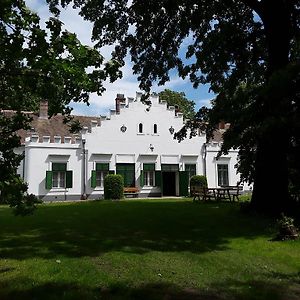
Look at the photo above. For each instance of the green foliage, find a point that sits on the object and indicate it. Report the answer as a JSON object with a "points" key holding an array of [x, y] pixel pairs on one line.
{"points": [[198, 180], [38, 64], [12, 188], [285, 221], [13, 192], [113, 186], [9, 160], [286, 228], [178, 99], [247, 50]]}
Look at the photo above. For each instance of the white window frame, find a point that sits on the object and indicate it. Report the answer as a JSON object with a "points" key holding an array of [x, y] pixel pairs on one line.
{"points": [[222, 164], [148, 179], [61, 179], [100, 180]]}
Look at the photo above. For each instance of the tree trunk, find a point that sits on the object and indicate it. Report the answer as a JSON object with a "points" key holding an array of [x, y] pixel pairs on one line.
{"points": [[270, 192]]}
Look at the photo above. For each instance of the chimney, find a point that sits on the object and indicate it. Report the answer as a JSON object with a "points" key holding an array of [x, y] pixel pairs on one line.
{"points": [[43, 109], [177, 110], [120, 99], [222, 125]]}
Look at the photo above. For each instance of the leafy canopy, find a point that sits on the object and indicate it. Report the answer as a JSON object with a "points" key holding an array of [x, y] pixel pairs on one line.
{"points": [[39, 64], [247, 50], [187, 107]]}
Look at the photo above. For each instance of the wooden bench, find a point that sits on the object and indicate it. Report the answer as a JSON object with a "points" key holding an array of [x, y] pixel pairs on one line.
{"points": [[234, 192], [230, 193], [202, 193], [131, 191]]}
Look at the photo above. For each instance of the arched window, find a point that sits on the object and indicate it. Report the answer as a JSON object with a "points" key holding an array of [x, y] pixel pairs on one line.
{"points": [[140, 128], [155, 128]]}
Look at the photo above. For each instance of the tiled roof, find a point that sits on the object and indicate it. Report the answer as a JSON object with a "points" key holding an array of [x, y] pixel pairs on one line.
{"points": [[218, 135], [52, 127], [56, 127]]}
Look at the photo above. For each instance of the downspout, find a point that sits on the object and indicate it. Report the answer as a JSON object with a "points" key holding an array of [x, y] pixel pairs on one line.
{"points": [[204, 158], [23, 169], [83, 196]]}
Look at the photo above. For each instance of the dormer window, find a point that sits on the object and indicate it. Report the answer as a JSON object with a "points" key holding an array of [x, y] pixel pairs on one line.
{"points": [[140, 128], [155, 128]]}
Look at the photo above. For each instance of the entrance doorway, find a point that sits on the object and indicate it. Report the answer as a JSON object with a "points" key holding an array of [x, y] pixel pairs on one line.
{"points": [[169, 183]]}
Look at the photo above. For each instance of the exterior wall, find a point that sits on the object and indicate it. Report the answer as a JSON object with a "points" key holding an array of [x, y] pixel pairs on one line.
{"points": [[107, 143], [212, 162], [21, 169], [39, 158]]}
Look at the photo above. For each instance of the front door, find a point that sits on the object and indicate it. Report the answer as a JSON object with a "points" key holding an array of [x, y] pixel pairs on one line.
{"points": [[169, 183], [128, 173]]}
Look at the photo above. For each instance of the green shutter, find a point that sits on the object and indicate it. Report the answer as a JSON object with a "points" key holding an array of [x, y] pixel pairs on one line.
{"points": [[93, 179], [111, 172], [149, 167], [59, 167], [69, 179], [48, 181], [183, 183], [102, 166], [158, 178], [142, 178]]}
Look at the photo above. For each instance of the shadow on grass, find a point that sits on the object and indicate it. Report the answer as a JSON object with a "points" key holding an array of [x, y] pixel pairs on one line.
{"points": [[90, 229], [236, 290]]}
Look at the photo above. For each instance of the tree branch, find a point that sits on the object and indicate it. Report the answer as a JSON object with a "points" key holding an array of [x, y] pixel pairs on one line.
{"points": [[255, 5]]}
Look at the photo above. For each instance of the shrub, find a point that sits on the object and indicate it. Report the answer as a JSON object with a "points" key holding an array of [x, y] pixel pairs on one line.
{"points": [[287, 229], [14, 193], [113, 187], [27, 205], [198, 180]]}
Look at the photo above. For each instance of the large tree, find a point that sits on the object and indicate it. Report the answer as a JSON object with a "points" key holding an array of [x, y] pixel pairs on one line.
{"points": [[179, 100], [38, 64], [247, 50]]}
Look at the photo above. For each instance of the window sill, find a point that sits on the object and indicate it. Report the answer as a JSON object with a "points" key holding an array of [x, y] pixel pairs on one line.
{"points": [[59, 190], [98, 188]]}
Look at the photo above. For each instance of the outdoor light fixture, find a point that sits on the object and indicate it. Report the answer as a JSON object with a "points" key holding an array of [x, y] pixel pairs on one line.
{"points": [[171, 129], [123, 128], [151, 147]]}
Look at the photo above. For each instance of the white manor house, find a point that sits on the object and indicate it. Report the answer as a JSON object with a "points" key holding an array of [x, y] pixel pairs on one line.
{"points": [[136, 141]]}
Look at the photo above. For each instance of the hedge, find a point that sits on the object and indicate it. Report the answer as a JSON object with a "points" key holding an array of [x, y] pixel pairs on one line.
{"points": [[198, 180], [113, 186]]}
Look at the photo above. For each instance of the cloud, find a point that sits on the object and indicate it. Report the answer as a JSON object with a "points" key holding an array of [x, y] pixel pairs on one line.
{"points": [[128, 85], [205, 102]]}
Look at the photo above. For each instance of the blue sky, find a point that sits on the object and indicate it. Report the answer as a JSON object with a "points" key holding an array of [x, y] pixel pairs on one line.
{"points": [[128, 85]]}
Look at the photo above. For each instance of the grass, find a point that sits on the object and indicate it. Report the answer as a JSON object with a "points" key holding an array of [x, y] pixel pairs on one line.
{"points": [[144, 249]]}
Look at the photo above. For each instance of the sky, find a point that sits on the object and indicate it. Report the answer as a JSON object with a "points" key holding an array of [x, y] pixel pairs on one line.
{"points": [[128, 85]]}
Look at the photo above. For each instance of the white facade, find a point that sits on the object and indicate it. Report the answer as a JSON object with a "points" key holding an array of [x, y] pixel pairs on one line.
{"points": [[137, 139]]}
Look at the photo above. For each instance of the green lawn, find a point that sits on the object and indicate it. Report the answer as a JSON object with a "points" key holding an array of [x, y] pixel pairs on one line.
{"points": [[144, 249]]}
